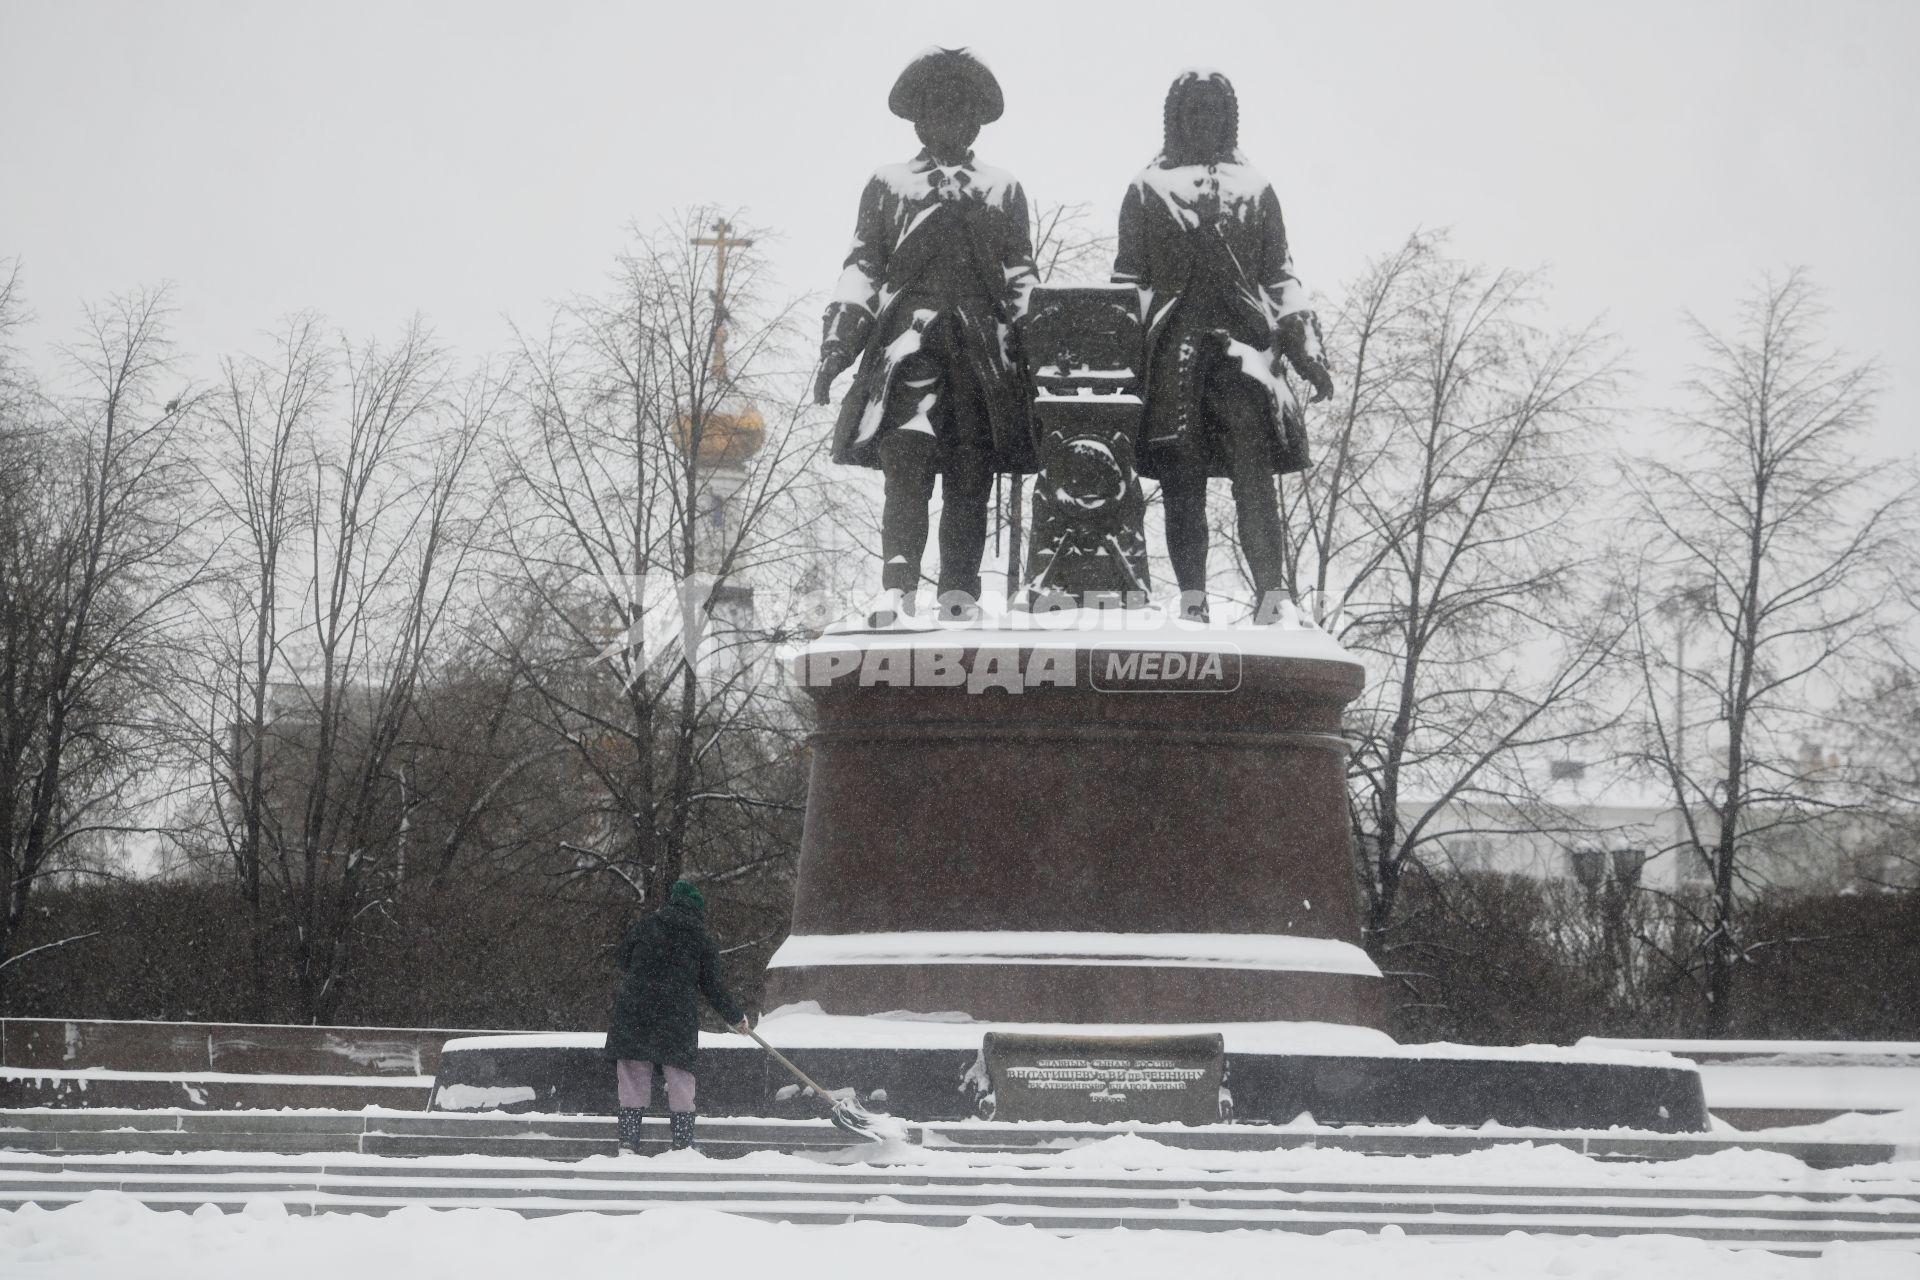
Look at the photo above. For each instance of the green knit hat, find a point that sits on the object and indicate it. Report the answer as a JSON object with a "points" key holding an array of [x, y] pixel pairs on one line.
{"points": [[683, 891]]}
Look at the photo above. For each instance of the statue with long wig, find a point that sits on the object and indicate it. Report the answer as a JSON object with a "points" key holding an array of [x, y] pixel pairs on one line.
{"points": [[1202, 238]]}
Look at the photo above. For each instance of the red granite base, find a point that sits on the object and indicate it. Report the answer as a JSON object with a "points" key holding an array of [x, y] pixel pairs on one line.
{"points": [[1080, 804]]}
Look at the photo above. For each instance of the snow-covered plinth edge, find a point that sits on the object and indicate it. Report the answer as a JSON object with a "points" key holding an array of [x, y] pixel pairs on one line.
{"points": [[1292, 636], [1262, 951], [804, 1026]]}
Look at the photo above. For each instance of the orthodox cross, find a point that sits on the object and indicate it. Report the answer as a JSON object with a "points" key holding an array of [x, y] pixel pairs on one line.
{"points": [[721, 240]]}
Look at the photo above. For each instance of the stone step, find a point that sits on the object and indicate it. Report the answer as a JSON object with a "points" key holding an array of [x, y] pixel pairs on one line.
{"points": [[1759, 1230], [1893, 1201], [1437, 1205], [1815, 1153], [1757, 1214], [576, 1137]]}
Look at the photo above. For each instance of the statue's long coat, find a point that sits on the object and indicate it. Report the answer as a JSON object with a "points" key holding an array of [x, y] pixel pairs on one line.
{"points": [[922, 226], [1211, 231]]}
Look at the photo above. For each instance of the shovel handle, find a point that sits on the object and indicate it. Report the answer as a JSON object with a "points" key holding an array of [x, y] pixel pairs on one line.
{"points": [[811, 1083]]}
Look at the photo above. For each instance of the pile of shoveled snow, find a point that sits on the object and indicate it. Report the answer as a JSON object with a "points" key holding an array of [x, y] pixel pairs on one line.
{"points": [[109, 1235], [1509, 1164]]}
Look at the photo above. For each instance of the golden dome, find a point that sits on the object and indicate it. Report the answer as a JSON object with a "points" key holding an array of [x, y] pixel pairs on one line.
{"points": [[726, 439]]}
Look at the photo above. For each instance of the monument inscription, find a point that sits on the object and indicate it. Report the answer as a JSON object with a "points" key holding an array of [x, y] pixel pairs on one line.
{"points": [[1173, 1078]]}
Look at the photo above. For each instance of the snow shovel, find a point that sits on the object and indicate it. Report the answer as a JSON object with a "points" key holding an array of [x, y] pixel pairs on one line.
{"points": [[847, 1114]]}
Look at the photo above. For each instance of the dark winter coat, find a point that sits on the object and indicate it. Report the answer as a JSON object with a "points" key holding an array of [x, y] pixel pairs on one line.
{"points": [[932, 239], [1207, 247], [669, 964]]}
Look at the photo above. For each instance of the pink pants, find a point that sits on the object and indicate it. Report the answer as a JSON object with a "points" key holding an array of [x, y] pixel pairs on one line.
{"points": [[636, 1085]]}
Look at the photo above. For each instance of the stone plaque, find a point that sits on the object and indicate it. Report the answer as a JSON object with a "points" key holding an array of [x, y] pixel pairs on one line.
{"points": [[1104, 1078]]}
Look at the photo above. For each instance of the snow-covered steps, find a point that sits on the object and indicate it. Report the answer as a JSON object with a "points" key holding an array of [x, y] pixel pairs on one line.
{"points": [[1423, 1140], [1747, 1201], [376, 1131]]}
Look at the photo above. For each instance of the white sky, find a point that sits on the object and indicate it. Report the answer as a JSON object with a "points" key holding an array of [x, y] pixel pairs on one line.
{"points": [[473, 161]]}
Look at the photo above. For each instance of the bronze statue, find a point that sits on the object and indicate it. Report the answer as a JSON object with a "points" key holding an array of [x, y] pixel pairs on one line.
{"points": [[1202, 238], [941, 265]]}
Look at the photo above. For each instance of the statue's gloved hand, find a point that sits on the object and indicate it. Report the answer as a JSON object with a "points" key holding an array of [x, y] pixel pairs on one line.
{"points": [[1297, 336], [1013, 340], [834, 359], [1315, 372], [844, 330]]}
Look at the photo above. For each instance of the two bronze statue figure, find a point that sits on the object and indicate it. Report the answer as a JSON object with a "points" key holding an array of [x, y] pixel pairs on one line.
{"points": [[934, 309]]}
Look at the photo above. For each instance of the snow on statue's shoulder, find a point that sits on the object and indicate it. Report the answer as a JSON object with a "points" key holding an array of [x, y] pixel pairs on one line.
{"points": [[902, 178], [992, 182], [910, 180], [1237, 183]]}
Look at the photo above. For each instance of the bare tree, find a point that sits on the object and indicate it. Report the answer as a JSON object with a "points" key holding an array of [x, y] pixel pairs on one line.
{"points": [[658, 512], [262, 429], [1881, 744], [16, 385], [340, 483], [1437, 537], [1770, 593], [94, 551]]}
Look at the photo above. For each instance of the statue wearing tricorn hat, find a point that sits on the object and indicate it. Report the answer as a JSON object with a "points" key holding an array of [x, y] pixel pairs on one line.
{"points": [[939, 272]]}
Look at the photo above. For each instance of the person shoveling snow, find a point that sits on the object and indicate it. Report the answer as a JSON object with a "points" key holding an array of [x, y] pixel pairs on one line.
{"points": [[668, 964]]}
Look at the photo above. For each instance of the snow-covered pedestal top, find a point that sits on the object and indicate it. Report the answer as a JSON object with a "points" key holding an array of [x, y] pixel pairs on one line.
{"points": [[1261, 951], [1292, 635]]}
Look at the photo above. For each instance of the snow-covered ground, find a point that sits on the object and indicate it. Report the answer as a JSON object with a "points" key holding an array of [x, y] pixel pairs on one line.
{"points": [[110, 1234], [111, 1237]]}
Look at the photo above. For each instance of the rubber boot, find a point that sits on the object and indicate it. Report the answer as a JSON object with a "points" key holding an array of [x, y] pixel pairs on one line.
{"points": [[682, 1122], [630, 1118]]}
